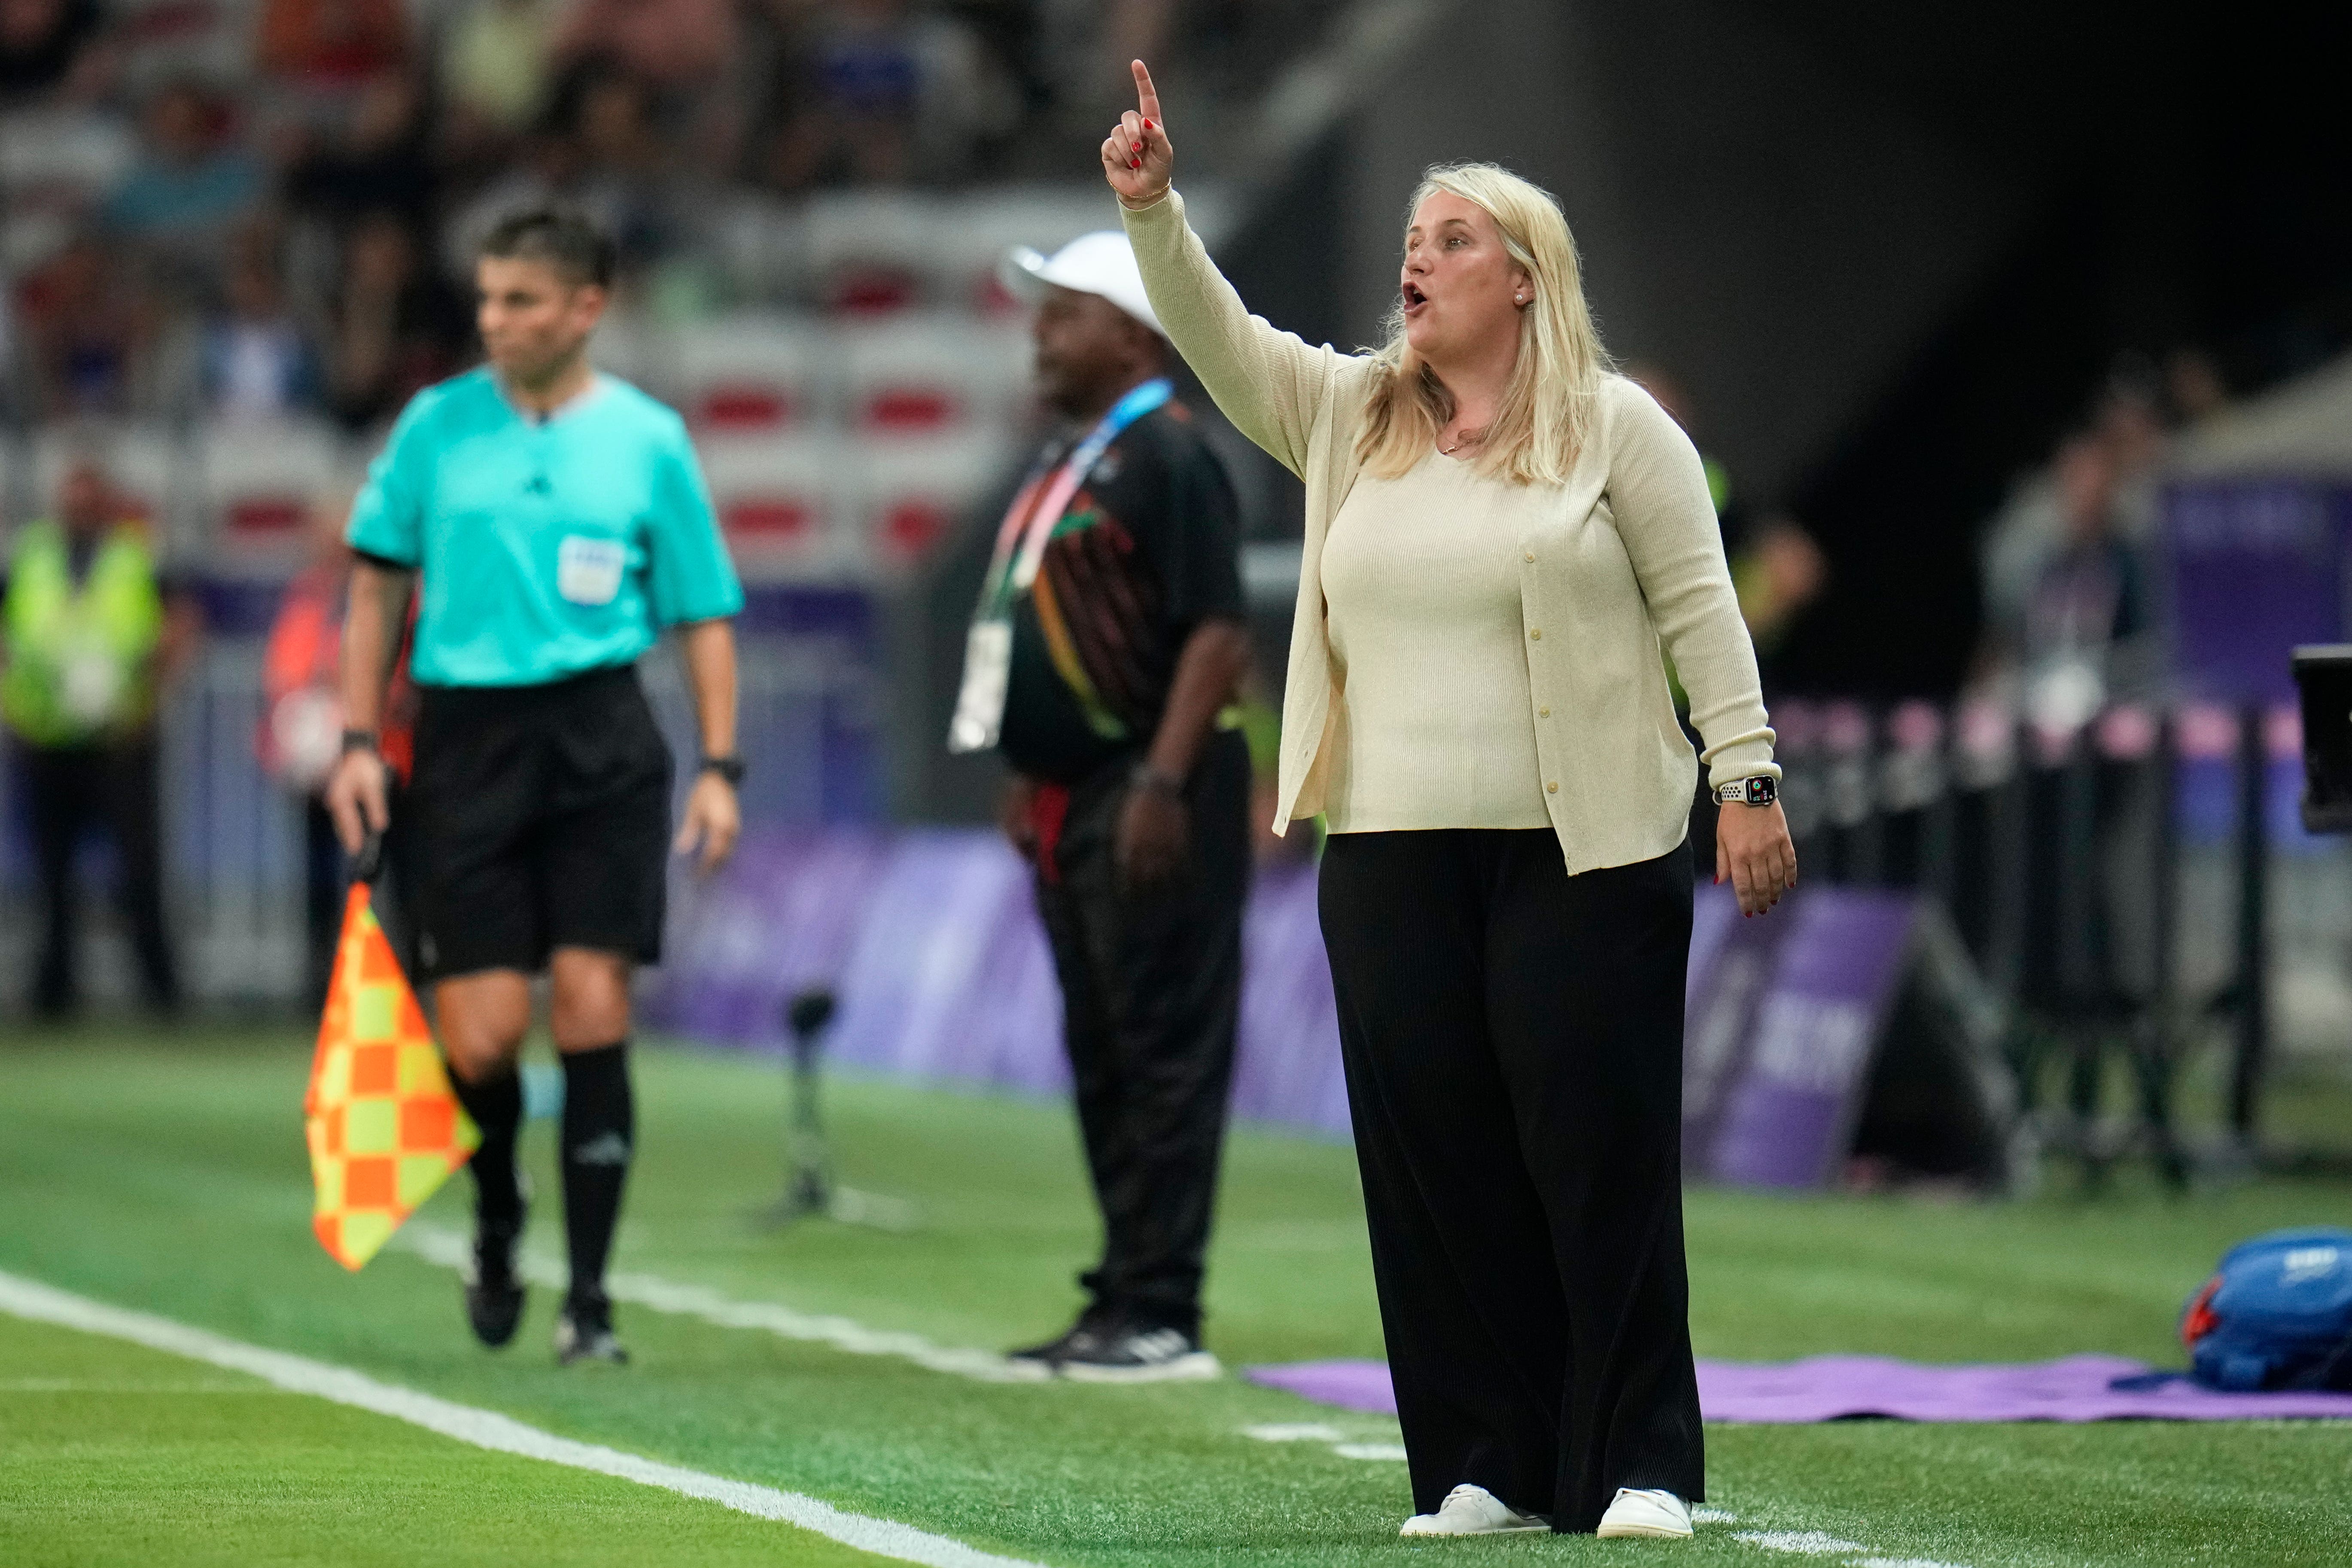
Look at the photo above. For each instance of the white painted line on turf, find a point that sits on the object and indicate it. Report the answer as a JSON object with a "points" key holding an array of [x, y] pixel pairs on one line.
{"points": [[31, 1299], [1805, 1542], [1294, 1432], [1713, 1516], [452, 1249], [1388, 1452], [1815, 1543], [1318, 1432]]}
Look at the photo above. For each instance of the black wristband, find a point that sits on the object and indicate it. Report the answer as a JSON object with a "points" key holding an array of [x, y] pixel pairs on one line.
{"points": [[728, 768], [358, 741]]}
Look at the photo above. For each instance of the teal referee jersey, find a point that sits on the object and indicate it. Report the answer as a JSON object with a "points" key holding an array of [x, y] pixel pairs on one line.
{"points": [[544, 547]]}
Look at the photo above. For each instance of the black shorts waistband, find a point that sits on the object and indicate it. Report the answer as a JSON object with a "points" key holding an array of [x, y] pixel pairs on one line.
{"points": [[508, 698]]}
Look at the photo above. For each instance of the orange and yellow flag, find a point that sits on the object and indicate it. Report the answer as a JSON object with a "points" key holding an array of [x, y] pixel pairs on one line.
{"points": [[383, 1127]]}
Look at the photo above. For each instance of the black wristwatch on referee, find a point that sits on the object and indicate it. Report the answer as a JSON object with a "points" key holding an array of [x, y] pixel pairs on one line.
{"points": [[730, 768], [1761, 790]]}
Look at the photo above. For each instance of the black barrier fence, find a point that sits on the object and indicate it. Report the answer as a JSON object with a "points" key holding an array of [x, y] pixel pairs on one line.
{"points": [[2064, 852]]}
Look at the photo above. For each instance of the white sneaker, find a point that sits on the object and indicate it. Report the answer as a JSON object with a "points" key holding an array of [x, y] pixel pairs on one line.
{"points": [[1660, 1516], [1471, 1510]]}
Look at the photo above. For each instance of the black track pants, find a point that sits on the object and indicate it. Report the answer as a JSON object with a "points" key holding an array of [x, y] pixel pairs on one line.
{"points": [[1150, 997], [1513, 1039]]}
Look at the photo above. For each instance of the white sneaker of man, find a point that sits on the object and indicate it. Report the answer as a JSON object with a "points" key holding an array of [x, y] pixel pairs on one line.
{"points": [[1472, 1510], [1659, 1516]]}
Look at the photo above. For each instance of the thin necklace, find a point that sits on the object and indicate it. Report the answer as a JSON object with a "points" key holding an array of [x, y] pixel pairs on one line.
{"points": [[1467, 438]]}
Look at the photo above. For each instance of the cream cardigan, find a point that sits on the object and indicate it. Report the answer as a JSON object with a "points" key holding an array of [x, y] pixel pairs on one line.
{"points": [[1631, 558]]}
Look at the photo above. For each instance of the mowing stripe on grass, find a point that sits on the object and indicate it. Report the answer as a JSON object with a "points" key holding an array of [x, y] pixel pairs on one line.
{"points": [[31, 1299], [451, 1249]]}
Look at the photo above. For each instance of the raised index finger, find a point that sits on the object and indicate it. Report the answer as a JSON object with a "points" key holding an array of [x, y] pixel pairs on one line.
{"points": [[1147, 97]]}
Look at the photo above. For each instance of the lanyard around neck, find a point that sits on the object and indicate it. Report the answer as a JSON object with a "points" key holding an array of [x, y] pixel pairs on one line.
{"points": [[1029, 525]]}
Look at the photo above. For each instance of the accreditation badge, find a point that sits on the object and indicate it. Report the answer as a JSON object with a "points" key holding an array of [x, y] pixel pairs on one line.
{"points": [[987, 674], [90, 687]]}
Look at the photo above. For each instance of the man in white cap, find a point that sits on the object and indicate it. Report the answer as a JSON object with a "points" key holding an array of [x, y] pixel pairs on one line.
{"points": [[1106, 648]]}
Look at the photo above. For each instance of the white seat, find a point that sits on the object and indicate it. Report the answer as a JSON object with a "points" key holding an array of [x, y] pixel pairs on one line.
{"points": [[911, 493], [753, 371], [931, 373], [987, 224], [760, 244], [874, 250], [263, 479], [779, 501]]}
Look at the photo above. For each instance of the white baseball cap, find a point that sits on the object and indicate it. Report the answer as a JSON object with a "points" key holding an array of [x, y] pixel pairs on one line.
{"points": [[1100, 263]]}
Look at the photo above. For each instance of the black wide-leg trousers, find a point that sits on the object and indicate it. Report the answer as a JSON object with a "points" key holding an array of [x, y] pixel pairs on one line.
{"points": [[1513, 1041], [1151, 986]]}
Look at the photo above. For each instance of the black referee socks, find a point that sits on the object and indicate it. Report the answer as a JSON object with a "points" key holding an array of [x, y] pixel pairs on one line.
{"points": [[598, 1131], [496, 1105]]}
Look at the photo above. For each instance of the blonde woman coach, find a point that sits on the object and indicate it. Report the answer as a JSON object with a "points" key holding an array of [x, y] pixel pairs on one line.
{"points": [[1501, 535]]}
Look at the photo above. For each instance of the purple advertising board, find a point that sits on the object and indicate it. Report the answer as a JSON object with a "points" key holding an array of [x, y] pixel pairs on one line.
{"points": [[2254, 567], [1789, 1100], [931, 943]]}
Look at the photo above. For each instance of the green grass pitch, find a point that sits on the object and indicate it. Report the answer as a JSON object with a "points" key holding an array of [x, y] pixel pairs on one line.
{"points": [[171, 1179]]}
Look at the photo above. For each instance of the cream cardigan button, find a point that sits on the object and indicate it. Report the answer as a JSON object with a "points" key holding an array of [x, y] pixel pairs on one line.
{"points": [[1531, 555], [1536, 636], [1543, 713], [1552, 788]]}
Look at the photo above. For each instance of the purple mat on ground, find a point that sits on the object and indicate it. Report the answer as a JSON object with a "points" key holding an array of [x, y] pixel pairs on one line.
{"points": [[1832, 1387]]}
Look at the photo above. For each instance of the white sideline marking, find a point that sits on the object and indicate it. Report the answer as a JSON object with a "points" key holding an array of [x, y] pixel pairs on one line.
{"points": [[1814, 1544], [1294, 1432], [1713, 1516], [486, 1428], [1808, 1542], [1393, 1453], [451, 1249]]}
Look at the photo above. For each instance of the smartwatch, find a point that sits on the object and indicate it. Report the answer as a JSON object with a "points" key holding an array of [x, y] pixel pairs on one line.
{"points": [[730, 768], [1761, 790]]}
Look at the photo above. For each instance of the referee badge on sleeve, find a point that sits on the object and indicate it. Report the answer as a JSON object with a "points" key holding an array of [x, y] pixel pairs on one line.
{"points": [[588, 571]]}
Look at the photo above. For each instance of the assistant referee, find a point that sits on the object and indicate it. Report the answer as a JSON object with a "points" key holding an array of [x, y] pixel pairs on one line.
{"points": [[554, 520]]}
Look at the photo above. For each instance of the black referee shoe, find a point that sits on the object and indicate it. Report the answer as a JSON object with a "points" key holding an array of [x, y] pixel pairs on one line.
{"points": [[1050, 1353], [1137, 1352], [494, 1294], [583, 1332]]}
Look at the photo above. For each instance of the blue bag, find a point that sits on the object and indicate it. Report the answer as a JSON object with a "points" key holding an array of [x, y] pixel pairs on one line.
{"points": [[2277, 1314]]}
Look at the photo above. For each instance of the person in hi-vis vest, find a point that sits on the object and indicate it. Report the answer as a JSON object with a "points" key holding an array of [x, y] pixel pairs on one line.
{"points": [[91, 638]]}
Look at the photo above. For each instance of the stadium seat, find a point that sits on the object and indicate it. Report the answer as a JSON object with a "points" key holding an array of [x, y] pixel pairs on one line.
{"points": [[777, 502], [748, 373], [913, 494], [932, 374], [638, 352], [873, 252], [760, 246], [261, 481], [984, 226]]}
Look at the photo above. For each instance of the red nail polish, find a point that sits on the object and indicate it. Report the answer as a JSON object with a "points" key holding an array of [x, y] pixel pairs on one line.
{"points": [[1148, 126], [1135, 162]]}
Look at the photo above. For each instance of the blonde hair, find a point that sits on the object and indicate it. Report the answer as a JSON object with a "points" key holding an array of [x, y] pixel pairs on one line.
{"points": [[1546, 408]]}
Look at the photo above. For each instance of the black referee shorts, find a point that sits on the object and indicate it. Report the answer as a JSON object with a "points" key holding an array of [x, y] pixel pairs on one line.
{"points": [[541, 820]]}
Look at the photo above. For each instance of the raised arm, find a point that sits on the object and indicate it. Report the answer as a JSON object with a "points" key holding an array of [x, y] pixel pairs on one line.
{"points": [[1269, 382]]}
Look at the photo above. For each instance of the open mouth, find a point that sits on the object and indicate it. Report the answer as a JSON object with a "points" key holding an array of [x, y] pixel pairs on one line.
{"points": [[1413, 298]]}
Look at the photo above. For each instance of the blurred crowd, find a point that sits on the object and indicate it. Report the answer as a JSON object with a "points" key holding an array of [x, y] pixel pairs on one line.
{"points": [[2066, 569], [252, 207]]}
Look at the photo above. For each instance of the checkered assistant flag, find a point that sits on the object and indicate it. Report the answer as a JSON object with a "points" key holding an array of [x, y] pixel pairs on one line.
{"points": [[385, 1128]]}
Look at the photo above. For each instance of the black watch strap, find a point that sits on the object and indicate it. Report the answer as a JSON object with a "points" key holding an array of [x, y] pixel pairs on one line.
{"points": [[359, 741], [730, 768]]}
